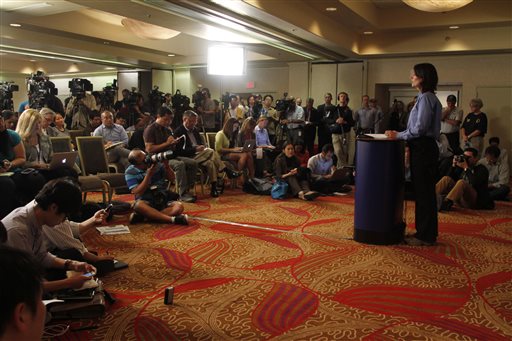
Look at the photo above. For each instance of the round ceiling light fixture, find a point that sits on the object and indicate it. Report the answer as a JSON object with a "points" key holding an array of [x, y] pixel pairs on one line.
{"points": [[437, 5]]}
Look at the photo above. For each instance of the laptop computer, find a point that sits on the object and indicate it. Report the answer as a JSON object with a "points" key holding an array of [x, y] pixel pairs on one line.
{"points": [[249, 146], [66, 159], [342, 173]]}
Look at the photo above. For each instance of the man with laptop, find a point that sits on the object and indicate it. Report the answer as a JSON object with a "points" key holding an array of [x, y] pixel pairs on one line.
{"points": [[191, 144], [325, 177]]}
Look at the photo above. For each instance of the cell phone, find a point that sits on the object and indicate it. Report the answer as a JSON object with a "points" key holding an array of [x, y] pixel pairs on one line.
{"points": [[88, 274], [169, 295], [108, 208]]}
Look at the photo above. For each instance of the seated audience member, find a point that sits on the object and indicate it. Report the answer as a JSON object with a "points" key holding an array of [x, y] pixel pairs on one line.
{"points": [[322, 167], [287, 168], [58, 199], [137, 138], [495, 141], [10, 119], [23, 313], [94, 122], [301, 153], [38, 148], [121, 120], [466, 184], [228, 152], [60, 126], [264, 166], [474, 127], [48, 122], [152, 198], [158, 137], [499, 175], [246, 132], [63, 241], [114, 133], [191, 144]]}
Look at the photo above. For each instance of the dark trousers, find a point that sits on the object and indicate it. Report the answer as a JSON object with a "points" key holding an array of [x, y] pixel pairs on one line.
{"points": [[309, 138], [453, 140], [8, 199], [57, 274], [424, 155], [324, 136], [326, 186]]}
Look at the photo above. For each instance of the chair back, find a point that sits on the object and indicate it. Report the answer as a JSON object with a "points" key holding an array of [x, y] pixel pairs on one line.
{"points": [[61, 144], [210, 139], [74, 133], [93, 157]]}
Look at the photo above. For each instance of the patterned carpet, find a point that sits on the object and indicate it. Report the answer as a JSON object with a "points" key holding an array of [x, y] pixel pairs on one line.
{"points": [[290, 271]]}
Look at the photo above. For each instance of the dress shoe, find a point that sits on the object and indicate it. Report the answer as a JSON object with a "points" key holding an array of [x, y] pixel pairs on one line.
{"points": [[311, 195], [231, 174], [181, 219], [413, 241]]}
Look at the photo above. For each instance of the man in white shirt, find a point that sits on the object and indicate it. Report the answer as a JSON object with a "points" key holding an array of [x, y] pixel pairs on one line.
{"points": [[499, 175], [322, 168], [451, 118]]}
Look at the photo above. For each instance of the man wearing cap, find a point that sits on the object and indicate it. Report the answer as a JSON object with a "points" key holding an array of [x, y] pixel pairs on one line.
{"points": [[451, 118]]}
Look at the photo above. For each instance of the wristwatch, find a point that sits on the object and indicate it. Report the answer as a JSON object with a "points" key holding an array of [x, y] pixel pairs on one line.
{"points": [[67, 264]]}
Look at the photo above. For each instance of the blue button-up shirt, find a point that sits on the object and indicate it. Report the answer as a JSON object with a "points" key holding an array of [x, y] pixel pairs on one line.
{"points": [[115, 134], [262, 138], [424, 119]]}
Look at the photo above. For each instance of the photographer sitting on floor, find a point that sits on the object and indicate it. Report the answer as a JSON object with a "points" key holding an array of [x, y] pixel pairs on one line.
{"points": [[466, 183], [145, 178]]}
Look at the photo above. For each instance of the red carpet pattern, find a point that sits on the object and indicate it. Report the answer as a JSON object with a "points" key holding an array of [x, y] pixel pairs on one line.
{"points": [[290, 271]]}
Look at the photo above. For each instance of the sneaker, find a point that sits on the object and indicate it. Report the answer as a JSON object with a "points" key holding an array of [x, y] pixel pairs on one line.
{"points": [[413, 241], [136, 218], [181, 219], [188, 198]]}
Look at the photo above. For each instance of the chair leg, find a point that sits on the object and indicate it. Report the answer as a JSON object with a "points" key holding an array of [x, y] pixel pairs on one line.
{"points": [[107, 189]]}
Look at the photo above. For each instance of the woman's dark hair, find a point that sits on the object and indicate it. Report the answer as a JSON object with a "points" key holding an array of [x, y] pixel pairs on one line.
{"points": [[63, 192], [7, 114], [428, 73]]}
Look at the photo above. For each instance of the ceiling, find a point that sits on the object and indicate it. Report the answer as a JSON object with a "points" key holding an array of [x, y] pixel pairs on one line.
{"points": [[89, 33]]}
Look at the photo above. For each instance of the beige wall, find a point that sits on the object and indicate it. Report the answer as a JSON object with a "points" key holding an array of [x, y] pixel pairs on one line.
{"points": [[162, 79]]}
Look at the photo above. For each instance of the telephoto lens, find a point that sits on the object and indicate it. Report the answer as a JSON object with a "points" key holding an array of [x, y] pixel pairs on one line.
{"points": [[158, 157]]}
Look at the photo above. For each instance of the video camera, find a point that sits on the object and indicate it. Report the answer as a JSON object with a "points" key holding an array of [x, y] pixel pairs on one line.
{"points": [[283, 104], [108, 95], [180, 102], [197, 98], [6, 90], [156, 98], [158, 157], [40, 89], [78, 87]]}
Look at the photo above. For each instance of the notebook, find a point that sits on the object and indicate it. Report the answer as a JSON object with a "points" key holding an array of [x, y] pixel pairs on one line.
{"points": [[66, 159], [342, 173]]}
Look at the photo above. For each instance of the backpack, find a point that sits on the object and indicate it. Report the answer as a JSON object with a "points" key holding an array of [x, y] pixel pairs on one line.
{"points": [[257, 186]]}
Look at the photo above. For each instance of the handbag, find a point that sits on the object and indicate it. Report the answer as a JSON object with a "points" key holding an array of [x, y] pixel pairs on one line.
{"points": [[279, 190]]}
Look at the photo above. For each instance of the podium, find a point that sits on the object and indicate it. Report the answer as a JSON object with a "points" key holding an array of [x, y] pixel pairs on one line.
{"points": [[379, 191]]}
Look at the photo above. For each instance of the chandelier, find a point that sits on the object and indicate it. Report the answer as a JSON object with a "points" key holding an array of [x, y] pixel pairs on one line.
{"points": [[437, 5]]}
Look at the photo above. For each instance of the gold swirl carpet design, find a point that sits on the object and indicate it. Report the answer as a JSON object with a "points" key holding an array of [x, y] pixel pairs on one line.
{"points": [[290, 271]]}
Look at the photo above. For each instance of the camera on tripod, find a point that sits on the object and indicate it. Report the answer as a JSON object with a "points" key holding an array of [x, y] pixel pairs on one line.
{"points": [[40, 89], [78, 87], [158, 157], [6, 90], [108, 95], [283, 104]]}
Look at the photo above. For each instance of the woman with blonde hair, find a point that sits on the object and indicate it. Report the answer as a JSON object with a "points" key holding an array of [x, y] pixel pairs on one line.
{"points": [[38, 148], [228, 152], [246, 131]]}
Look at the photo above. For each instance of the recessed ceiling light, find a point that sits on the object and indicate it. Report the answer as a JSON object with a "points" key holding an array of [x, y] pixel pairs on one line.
{"points": [[106, 43], [368, 33], [32, 60], [331, 9], [171, 55], [109, 68], [15, 25], [454, 27]]}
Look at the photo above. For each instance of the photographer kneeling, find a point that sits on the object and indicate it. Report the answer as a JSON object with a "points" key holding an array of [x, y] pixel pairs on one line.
{"points": [[145, 178], [466, 183]]}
